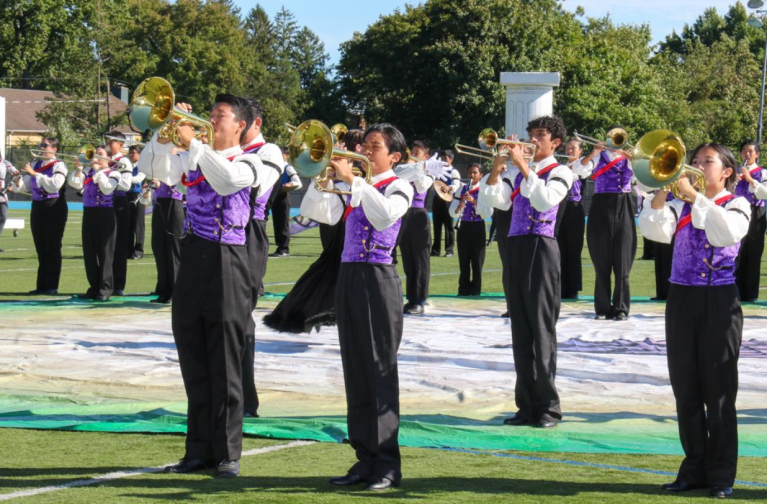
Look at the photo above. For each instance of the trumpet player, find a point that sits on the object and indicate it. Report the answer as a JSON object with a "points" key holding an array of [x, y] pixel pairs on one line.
{"points": [[441, 209], [212, 300], [6, 168], [471, 233], [137, 208], [44, 180], [97, 185], [571, 223], [611, 231], [114, 141], [752, 186], [536, 188]]}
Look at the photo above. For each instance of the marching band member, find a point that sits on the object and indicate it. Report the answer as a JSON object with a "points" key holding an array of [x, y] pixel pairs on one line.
{"points": [[253, 142], [137, 209], [114, 141], [212, 301], [471, 233], [99, 226], [6, 168], [571, 223], [751, 175], [440, 209], [611, 231], [415, 235], [704, 321], [533, 266], [45, 182], [352, 143], [167, 231], [368, 302], [290, 181]]}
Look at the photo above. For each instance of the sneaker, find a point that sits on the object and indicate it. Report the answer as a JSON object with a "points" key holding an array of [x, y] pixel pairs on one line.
{"points": [[280, 253]]}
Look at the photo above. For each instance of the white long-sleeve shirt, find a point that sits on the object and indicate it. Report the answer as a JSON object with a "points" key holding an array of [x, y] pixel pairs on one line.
{"points": [[50, 184], [382, 210], [293, 177], [125, 168], [758, 189], [107, 182], [224, 176], [542, 195], [724, 225], [6, 168], [415, 173], [480, 209]]}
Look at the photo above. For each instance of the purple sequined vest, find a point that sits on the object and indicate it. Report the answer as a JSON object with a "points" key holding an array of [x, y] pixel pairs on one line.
{"points": [[527, 220], [38, 193], [363, 242], [698, 263], [259, 204], [470, 209], [214, 217], [166, 191], [419, 199], [92, 195], [575, 190], [741, 189], [615, 180]]}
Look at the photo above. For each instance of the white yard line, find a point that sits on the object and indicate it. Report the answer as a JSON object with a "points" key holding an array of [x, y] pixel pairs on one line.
{"points": [[133, 472]]}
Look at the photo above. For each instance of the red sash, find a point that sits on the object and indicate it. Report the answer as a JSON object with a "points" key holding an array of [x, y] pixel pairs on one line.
{"points": [[684, 221], [376, 185], [90, 179], [116, 161], [607, 167], [542, 172], [47, 166], [201, 177], [254, 147], [755, 170]]}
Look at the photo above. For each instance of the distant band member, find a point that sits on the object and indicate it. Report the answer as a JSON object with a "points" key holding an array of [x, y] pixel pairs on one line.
{"points": [[289, 182], [167, 231], [571, 228], [471, 233], [611, 231], [6, 168], [97, 185], [137, 209], [44, 180], [750, 259], [440, 209], [121, 164]]}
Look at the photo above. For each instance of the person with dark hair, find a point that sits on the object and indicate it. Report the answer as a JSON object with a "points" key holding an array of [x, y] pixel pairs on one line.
{"points": [[536, 188], [97, 185], [571, 226], [440, 209], [6, 168], [114, 141], [751, 176], [471, 233], [414, 238], [704, 320], [45, 182], [368, 302], [137, 209], [611, 230], [253, 142], [289, 182], [213, 300]]}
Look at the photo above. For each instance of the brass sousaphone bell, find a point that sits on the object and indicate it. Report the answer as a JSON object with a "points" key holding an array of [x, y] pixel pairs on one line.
{"points": [[658, 161]]}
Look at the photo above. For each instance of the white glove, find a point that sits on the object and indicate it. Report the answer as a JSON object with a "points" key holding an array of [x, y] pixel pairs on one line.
{"points": [[435, 167]]}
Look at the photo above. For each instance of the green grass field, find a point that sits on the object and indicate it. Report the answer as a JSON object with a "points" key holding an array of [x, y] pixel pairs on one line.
{"points": [[34, 459]]}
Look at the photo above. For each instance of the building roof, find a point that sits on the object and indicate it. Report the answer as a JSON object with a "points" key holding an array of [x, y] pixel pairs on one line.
{"points": [[22, 106]]}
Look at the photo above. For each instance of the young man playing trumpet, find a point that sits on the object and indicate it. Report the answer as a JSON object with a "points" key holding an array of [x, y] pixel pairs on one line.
{"points": [[536, 187], [212, 301], [114, 141]]}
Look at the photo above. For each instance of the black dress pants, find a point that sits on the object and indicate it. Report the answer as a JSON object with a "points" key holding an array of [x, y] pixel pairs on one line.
{"points": [[48, 220], [122, 219], [167, 230], [440, 211], [750, 256], [281, 222], [704, 328], [663, 254], [572, 227], [534, 300], [98, 233], [471, 257], [137, 225], [415, 247], [612, 240], [211, 309], [370, 322]]}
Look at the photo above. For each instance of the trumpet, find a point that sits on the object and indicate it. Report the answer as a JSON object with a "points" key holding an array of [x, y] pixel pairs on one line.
{"points": [[86, 155], [311, 149], [658, 161], [40, 154], [409, 157], [488, 146], [152, 108], [339, 132], [617, 139]]}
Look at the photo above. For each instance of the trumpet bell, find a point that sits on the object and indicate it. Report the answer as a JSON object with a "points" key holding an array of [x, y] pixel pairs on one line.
{"points": [[310, 148], [152, 104], [339, 132], [617, 138], [488, 139], [659, 161]]}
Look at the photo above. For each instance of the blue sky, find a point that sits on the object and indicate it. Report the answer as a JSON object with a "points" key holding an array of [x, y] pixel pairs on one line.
{"points": [[335, 22]]}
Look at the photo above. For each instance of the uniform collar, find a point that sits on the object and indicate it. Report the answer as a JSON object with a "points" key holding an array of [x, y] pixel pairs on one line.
{"points": [[752, 166], [258, 140], [382, 176], [721, 194], [231, 151], [536, 166]]}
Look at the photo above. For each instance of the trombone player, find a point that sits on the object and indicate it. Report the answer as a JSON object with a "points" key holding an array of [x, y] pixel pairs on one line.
{"points": [[114, 141], [212, 300]]}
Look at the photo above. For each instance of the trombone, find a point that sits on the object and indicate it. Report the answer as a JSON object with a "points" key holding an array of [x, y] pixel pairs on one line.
{"points": [[339, 132], [152, 108], [489, 141], [311, 149], [617, 139], [658, 161], [409, 157]]}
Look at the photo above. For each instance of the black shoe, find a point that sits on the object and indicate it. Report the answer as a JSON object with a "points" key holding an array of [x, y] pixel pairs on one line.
{"points": [[570, 296], [161, 300], [35, 292], [602, 316], [228, 469], [620, 316], [449, 254], [185, 466], [349, 479], [280, 253], [720, 492], [407, 307], [657, 298], [415, 309], [250, 414], [379, 484], [679, 486], [49, 292], [137, 255], [434, 253], [118, 292], [505, 314], [101, 298], [516, 420], [85, 296], [546, 422]]}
